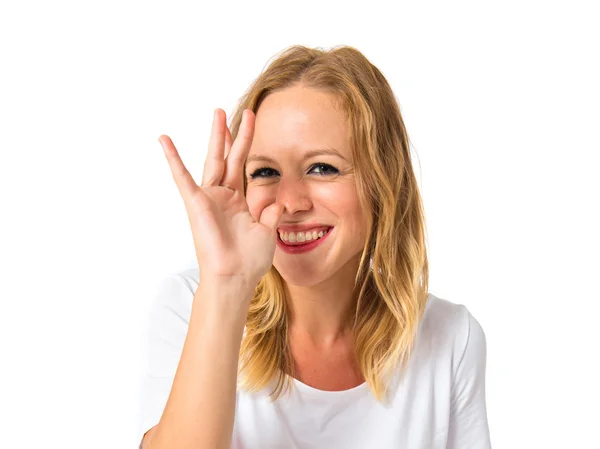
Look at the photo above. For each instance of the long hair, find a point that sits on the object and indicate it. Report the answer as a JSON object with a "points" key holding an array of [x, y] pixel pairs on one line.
{"points": [[391, 284]]}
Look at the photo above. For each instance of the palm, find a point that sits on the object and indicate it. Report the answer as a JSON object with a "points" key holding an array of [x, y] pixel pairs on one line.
{"points": [[235, 234]]}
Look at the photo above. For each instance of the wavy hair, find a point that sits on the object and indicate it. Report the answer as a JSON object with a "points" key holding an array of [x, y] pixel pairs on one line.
{"points": [[391, 284]]}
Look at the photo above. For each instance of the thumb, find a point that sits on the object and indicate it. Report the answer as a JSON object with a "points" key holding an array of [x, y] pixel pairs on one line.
{"points": [[271, 215]]}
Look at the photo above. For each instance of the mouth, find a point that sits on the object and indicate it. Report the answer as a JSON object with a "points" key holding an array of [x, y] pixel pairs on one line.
{"points": [[301, 247]]}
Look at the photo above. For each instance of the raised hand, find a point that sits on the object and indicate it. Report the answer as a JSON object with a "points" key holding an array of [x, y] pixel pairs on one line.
{"points": [[229, 242]]}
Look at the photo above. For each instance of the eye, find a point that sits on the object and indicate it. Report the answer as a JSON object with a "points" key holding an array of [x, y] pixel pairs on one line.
{"points": [[324, 168], [259, 172]]}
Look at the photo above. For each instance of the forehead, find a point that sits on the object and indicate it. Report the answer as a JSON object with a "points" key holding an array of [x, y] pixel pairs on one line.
{"points": [[299, 119]]}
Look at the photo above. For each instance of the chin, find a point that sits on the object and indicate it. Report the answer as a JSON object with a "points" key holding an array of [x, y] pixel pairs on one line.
{"points": [[301, 277]]}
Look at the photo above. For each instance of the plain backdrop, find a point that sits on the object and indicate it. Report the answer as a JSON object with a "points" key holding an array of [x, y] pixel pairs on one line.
{"points": [[501, 103]]}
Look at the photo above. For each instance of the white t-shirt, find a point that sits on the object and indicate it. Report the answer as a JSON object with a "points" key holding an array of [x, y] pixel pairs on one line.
{"points": [[439, 404]]}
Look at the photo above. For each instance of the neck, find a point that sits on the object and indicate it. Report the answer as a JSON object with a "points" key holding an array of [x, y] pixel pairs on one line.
{"points": [[321, 315]]}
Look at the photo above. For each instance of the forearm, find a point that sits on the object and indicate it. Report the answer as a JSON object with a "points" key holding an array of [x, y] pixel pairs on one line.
{"points": [[199, 413]]}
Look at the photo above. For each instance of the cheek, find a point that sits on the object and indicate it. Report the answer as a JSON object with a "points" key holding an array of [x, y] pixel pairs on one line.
{"points": [[350, 209], [346, 199]]}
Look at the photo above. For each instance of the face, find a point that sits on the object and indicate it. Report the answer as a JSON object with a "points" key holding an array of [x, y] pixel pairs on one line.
{"points": [[318, 191]]}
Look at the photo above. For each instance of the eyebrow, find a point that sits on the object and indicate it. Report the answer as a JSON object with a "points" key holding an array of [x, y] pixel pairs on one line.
{"points": [[308, 154]]}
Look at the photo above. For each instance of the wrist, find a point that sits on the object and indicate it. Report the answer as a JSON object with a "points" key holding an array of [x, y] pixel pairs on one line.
{"points": [[225, 298]]}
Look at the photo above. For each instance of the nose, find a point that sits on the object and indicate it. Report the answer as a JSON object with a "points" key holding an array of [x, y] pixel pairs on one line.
{"points": [[293, 194]]}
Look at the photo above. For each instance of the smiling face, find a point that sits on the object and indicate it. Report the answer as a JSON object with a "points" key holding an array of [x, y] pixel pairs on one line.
{"points": [[318, 191]]}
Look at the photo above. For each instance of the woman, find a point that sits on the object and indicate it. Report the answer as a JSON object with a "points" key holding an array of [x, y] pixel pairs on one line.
{"points": [[310, 238]]}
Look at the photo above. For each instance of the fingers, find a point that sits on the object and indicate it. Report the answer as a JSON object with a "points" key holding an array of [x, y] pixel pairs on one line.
{"points": [[271, 215], [215, 158], [228, 141], [234, 166], [185, 183]]}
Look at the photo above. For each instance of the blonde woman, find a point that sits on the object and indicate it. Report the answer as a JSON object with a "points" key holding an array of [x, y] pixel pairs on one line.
{"points": [[308, 323]]}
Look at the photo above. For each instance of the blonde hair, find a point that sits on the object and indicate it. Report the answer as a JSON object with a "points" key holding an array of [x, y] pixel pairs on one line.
{"points": [[391, 283]]}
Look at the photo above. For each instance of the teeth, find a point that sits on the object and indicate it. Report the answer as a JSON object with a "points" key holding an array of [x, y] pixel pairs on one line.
{"points": [[293, 237]]}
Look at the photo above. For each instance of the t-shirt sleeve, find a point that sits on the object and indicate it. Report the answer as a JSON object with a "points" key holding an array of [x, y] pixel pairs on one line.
{"points": [[468, 415], [163, 338]]}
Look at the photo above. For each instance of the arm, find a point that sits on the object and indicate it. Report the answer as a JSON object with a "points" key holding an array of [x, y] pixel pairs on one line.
{"points": [[233, 249], [199, 412], [468, 416]]}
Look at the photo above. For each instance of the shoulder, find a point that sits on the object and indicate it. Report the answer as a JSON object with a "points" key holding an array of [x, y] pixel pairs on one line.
{"points": [[174, 294], [187, 279], [450, 330], [181, 282]]}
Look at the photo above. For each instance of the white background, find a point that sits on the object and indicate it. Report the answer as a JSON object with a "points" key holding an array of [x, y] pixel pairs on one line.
{"points": [[501, 102]]}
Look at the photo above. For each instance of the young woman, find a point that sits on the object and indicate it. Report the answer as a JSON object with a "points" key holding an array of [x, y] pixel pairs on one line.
{"points": [[309, 323]]}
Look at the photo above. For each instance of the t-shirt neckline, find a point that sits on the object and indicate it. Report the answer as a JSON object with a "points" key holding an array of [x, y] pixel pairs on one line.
{"points": [[307, 389]]}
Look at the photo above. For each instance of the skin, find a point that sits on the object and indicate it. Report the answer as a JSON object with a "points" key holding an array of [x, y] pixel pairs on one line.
{"points": [[318, 283]]}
